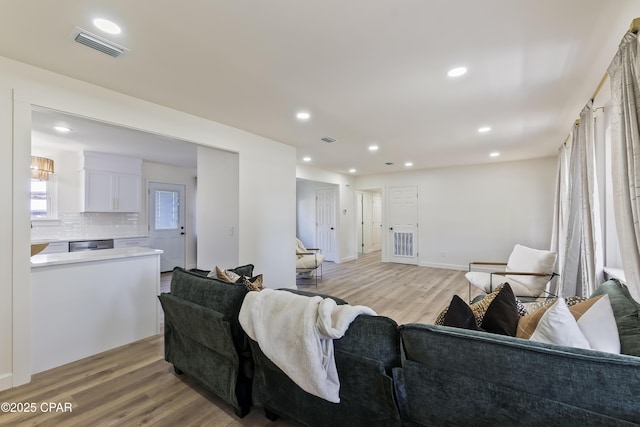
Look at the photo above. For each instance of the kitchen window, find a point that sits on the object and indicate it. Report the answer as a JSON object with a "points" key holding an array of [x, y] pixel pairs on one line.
{"points": [[42, 199]]}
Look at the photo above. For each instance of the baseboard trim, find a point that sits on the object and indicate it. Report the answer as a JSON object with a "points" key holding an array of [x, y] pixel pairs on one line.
{"points": [[347, 259], [6, 381], [444, 266]]}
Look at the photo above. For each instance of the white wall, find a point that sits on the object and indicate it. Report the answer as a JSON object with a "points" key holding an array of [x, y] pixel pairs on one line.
{"points": [[218, 208], [345, 208], [266, 186], [67, 178], [474, 213], [166, 174], [6, 230], [306, 211]]}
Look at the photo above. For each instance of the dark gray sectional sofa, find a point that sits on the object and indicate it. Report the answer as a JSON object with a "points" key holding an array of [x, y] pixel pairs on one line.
{"points": [[394, 375], [365, 358], [203, 338]]}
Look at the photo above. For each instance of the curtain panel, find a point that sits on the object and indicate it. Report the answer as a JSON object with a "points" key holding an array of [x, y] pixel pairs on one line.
{"points": [[624, 76], [577, 232], [561, 214]]}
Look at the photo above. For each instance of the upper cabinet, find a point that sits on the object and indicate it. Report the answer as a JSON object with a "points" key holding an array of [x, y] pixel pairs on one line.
{"points": [[110, 183]]}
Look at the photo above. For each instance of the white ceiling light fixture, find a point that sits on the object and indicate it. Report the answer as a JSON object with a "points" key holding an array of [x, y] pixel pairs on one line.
{"points": [[408, 164], [303, 115], [62, 129], [352, 170], [457, 72], [306, 159], [494, 154], [107, 26], [484, 129], [373, 148]]}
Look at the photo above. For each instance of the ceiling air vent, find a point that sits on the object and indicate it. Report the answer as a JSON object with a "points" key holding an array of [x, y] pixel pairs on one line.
{"points": [[98, 43], [328, 139]]}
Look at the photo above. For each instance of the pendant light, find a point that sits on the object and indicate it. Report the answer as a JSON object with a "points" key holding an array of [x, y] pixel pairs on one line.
{"points": [[41, 168]]}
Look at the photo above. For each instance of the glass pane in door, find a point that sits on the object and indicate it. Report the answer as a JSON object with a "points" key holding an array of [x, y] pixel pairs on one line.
{"points": [[167, 210]]}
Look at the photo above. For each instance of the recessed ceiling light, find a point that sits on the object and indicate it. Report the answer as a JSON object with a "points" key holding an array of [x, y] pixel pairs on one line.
{"points": [[306, 159], [408, 164], [457, 72], [303, 115], [494, 154], [484, 129], [352, 170], [107, 26], [373, 148], [61, 128]]}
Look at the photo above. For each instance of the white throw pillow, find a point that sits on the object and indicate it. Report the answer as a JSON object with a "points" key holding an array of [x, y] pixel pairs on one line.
{"points": [[599, 327], [558, 326], [528, 260]]}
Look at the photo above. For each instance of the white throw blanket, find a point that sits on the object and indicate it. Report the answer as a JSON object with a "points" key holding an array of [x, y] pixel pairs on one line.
{"points": [[296, 333]]}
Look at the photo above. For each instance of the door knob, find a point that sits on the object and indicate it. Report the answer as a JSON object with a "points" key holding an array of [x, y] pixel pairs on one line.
{"points": [[391, 228]]}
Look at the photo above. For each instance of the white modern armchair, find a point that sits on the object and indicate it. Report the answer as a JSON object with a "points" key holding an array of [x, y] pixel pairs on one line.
{"points": [[527, 271], [308, 260]]}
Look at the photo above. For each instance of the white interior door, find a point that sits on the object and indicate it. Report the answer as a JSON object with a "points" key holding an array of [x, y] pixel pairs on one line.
{"points": [[403, 225], [360, 227], [325, 222], [166, 223], [376, 221]]}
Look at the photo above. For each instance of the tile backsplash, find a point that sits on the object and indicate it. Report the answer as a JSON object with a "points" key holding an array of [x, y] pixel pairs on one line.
{"points": [[83, 225]]}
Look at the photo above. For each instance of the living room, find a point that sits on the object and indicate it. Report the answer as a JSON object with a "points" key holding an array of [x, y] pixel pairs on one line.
{"points": [[467, 209]]}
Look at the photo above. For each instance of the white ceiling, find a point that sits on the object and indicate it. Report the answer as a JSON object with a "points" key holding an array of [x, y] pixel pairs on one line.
{"points": [[368, 71], [103, 137]]}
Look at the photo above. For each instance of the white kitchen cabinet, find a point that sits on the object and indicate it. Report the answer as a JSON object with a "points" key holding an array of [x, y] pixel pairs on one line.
{"points": [[110, 183], [131, 242], [56, 248]]}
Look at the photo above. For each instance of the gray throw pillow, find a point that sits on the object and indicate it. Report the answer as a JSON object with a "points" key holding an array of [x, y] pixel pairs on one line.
{"points": [[627, 313]]}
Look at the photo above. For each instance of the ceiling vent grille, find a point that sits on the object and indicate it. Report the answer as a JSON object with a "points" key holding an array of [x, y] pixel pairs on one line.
{"points": [[98, 43], [328, 139]]}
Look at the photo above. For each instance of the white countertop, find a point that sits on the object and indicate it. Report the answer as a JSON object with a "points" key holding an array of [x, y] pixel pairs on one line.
{"points": [[88, 256], [79, 239]]}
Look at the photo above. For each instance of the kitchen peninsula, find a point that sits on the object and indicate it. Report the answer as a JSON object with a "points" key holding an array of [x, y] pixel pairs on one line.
{"points": [[84, 303]]}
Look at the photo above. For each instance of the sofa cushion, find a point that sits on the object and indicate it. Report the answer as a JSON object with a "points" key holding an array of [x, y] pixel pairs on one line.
{"points": [[502, 312], [459, 315], [627, 314], [594, 318], [225, 298], [243, 270], [558, 326], [497, 313], [598, 324], [527, 324], [228, 276], [252, 283]]}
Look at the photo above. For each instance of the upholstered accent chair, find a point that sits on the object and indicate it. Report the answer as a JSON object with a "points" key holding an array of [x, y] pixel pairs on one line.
{"points": [[308, 260], [527, 270]]}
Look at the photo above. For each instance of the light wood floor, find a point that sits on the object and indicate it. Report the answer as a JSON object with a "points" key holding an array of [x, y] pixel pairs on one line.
{"points": [[133, 385]]}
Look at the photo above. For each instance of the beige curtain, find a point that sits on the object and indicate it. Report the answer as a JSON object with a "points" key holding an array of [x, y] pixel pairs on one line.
{"points": [[624, 74], [561, 212], [578, 238]]}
